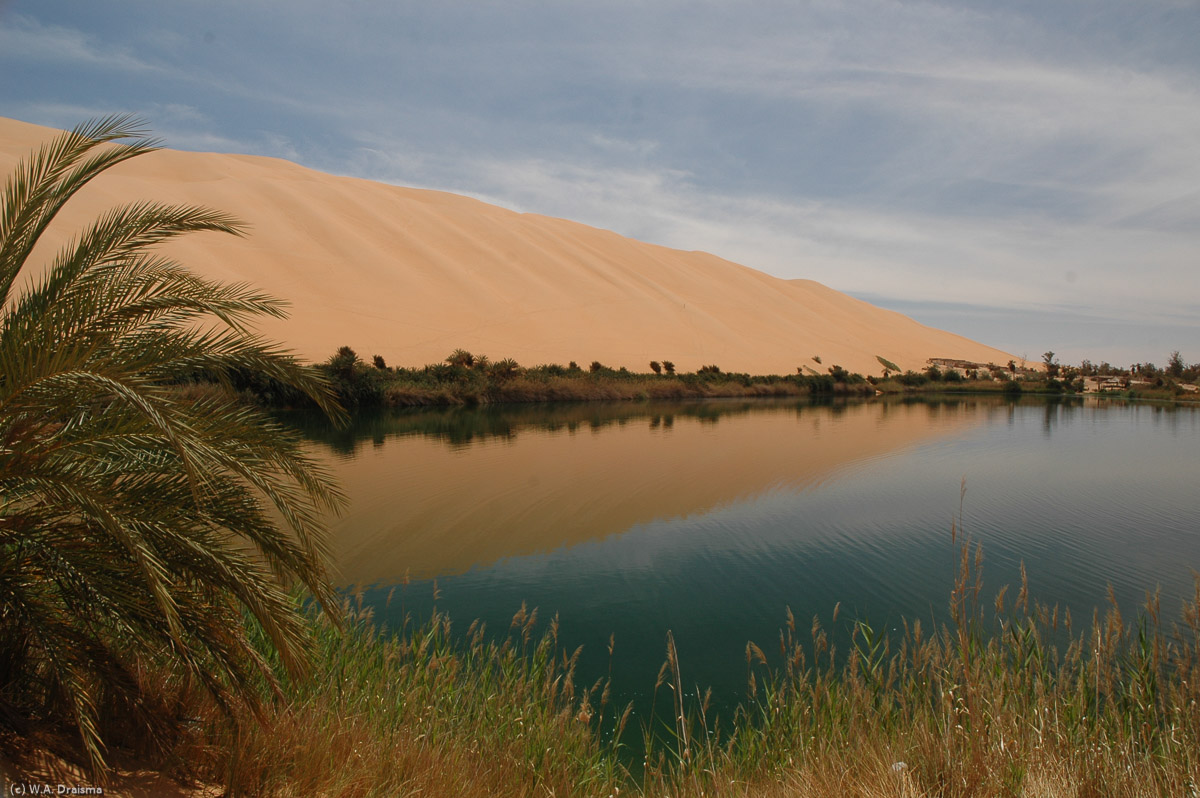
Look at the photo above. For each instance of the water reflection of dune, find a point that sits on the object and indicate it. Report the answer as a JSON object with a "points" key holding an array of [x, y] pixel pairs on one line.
{"points": [[425, 505]]}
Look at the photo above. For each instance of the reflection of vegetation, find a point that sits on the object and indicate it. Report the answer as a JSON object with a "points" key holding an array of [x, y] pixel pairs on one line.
{"points": [[460, 426]]}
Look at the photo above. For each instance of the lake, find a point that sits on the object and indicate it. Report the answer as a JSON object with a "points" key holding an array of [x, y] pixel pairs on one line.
{"points": [[711, 518]]}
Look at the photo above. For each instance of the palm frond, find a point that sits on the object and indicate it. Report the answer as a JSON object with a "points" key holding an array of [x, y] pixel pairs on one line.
{"points": [[137, 527]]}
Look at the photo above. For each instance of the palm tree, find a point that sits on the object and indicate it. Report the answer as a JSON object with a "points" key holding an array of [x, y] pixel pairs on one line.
{"points": [[461, 357], [136, 528]]}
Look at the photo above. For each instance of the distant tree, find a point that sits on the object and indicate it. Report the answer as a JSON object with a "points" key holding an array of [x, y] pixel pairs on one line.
{"points": [[1012, 367], [839, 374], [505, 369], [596, 366], [1051, 365], [656, 367], [343, 362], [933, 373], [713, 369], [573, 366], [1175, 365], [550, 369], [668, 367], [817, 358], [461, 357], [379, 362]]}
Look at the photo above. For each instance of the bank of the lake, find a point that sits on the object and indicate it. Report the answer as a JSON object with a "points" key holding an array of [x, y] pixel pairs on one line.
{"points": [[465, 379], [1009, 698]]}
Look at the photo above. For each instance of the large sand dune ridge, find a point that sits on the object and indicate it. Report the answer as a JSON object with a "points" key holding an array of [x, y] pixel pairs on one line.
{"points": [[413, 274]]}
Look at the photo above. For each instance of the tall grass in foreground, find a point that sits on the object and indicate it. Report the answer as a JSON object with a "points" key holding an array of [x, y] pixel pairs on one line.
{"points": [[1010, 698], [421, 712], [1003, 701]]}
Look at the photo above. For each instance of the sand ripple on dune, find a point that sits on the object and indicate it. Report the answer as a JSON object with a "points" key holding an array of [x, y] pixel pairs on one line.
{"points": [[413, 274]]}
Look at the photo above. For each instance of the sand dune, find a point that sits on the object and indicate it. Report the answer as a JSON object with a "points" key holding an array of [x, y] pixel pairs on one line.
{"points": [[413, 274]]}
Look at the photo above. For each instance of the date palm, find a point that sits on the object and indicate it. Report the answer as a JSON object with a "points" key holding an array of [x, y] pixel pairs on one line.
{"points": [[137, 527]]}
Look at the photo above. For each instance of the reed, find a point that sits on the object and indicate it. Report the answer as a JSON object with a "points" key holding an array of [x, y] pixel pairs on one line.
{"points": [[419, 711], [1004, 700], [1010, 697]]}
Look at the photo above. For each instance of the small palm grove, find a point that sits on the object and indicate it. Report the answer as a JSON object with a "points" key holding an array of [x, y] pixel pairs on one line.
{"points": [[140, 557]]}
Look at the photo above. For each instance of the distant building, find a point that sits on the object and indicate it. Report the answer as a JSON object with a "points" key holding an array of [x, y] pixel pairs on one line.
{"points": [[963, 367], [1095, 384]]}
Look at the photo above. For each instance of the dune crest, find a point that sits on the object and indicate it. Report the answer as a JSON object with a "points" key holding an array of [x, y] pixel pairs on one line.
{"points": [[412, 274]]}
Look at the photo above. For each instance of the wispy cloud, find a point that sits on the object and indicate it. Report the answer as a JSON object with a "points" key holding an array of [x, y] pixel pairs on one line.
{"points": [[1012, 155], [25, 38], [1022, 262]]}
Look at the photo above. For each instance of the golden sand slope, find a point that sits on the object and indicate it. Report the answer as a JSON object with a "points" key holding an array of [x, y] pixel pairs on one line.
{"points": [[412, 274]]}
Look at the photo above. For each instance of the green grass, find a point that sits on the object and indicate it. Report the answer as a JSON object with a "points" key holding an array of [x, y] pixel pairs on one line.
{"points": [[1010, 698], [423, 711]]}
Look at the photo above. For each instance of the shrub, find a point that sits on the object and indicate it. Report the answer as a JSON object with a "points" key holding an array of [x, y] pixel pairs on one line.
{"points": [[839, 374]]}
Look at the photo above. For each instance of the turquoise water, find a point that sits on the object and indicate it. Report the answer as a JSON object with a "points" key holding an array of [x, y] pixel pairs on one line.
{"points": [[710, 519]]}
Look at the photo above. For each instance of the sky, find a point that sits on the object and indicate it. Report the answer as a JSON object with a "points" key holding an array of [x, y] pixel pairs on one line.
{"points": [[1026, 174]]}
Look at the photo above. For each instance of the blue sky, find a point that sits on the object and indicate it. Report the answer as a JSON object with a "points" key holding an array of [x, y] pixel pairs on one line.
{"points": [[1026, 174]]}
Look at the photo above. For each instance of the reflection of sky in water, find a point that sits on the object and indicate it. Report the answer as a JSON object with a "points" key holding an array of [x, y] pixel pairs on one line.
{"points": [[1086, 496]]}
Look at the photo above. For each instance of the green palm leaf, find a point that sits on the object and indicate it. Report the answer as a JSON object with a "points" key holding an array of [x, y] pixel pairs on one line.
{"points": [[137, 527]]}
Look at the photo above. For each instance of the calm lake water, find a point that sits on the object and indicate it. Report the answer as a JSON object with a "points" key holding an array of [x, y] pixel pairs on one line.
{"points": [[711, 518]]}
